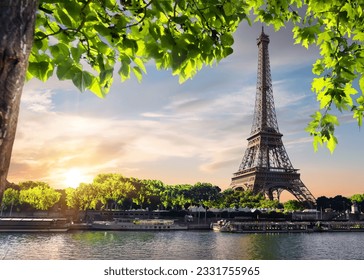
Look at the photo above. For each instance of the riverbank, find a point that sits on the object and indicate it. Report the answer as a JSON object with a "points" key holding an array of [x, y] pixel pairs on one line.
{"points": [[239, 222], [61, 225]]}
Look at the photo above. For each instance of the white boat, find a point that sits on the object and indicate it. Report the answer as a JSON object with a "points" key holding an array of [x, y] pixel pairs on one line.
{"points": [[138, 224], [221, 225], [33, 225]]}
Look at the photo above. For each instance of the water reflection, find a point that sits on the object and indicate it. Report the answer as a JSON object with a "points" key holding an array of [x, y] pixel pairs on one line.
{"points": [[188, 245]]}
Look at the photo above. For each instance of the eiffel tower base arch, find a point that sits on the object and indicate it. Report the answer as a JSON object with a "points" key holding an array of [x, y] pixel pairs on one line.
{"points": [[271, 184]]}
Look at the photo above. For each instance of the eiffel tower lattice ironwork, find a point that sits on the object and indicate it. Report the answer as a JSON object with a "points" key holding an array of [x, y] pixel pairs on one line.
{"points": [[266, 167]]}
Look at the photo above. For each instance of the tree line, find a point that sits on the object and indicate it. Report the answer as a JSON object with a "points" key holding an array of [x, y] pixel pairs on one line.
{"points": [[114, 191]]}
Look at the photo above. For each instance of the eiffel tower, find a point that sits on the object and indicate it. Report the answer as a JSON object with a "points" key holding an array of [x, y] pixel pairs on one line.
{"points": [[266, 167]]}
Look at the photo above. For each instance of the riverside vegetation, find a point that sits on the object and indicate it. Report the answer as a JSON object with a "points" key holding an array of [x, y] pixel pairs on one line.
{"points": [[114, 191]]}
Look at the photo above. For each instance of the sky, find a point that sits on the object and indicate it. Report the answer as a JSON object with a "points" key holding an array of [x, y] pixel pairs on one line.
{"points": [[183, 133]]}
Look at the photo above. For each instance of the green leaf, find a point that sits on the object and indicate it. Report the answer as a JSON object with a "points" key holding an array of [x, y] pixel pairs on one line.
{"points": [[330, 119], [331, 143], [318, 67], [227, 51], [358, 115], [138, 73], [64, 17], [73, 9], [323, 37], [124, 71], [104, 31], [82, 80], [316, 140], [346, 73], [60, 52], [65, 71], [140, 64], [349, 90], [349, 10], [361, 84], [106, 76], [96, 88], [228, 9], [318, 84], [77, 52], [359, 36], [41, 70], [227, 39]]}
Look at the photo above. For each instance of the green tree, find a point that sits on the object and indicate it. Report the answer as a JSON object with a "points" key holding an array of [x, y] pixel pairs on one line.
{"points": [[177, 197], [249, 199], [155, 190], [87, 196], [10, 198], [292, 205], [87, 40], [229, 198], [146, 193], [72, 200], [183, 197], [113, 188], [238, 198], [166, 197], [337, 203], [32, 184], [204, 194], [40, 197], [270, 204], [358, 198], [340, 203], [323, 202]]}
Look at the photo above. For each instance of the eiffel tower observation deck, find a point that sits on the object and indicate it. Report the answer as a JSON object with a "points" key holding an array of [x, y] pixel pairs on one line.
{"points": [[266, 167]]}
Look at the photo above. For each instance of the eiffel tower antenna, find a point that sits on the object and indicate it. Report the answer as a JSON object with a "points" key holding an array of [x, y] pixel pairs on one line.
{"points": [[266, 167]]}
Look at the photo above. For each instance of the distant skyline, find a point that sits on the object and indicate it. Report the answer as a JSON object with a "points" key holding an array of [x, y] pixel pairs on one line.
{"points": [[194, 132]]}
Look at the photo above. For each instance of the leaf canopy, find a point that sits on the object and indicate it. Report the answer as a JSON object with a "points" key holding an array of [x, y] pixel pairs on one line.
{"points": [[85, 40]]}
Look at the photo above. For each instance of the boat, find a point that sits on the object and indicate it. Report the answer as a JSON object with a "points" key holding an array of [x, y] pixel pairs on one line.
{"points": [[34, 225], [335, 226], [261, 227], [222, 225], [138, 224]]}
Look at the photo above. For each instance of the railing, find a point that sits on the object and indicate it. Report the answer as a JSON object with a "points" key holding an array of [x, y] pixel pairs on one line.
{"points": [[266, 169]]}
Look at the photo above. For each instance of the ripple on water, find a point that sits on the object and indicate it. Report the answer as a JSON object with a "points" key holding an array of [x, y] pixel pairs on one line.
{"points": [[179, 245]]}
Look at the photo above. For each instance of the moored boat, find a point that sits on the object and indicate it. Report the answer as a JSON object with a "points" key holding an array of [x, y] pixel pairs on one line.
{"points": [[33, 225], [138, 224], [261, 227], [221, 225]]}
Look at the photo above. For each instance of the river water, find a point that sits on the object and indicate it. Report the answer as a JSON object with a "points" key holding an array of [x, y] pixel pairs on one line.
{"points": [[180, 245]]}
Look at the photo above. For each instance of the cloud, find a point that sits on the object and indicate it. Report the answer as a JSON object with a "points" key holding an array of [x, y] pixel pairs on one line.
{"points": [[206, 131], [38, 101], [50, 142], [153, 115]]}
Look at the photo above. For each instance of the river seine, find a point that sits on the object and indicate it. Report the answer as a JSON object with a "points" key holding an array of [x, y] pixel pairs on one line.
{"points": [[180, 245]]}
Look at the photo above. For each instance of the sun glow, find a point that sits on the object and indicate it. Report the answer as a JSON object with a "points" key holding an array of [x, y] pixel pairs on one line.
{"points": [[74, 177]]}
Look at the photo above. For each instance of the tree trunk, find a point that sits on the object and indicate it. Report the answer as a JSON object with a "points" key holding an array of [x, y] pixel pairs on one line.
{"points": [[17, 19]]}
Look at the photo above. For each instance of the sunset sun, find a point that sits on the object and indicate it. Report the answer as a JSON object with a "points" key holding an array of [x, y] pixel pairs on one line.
{"points": [[74, 177]]}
